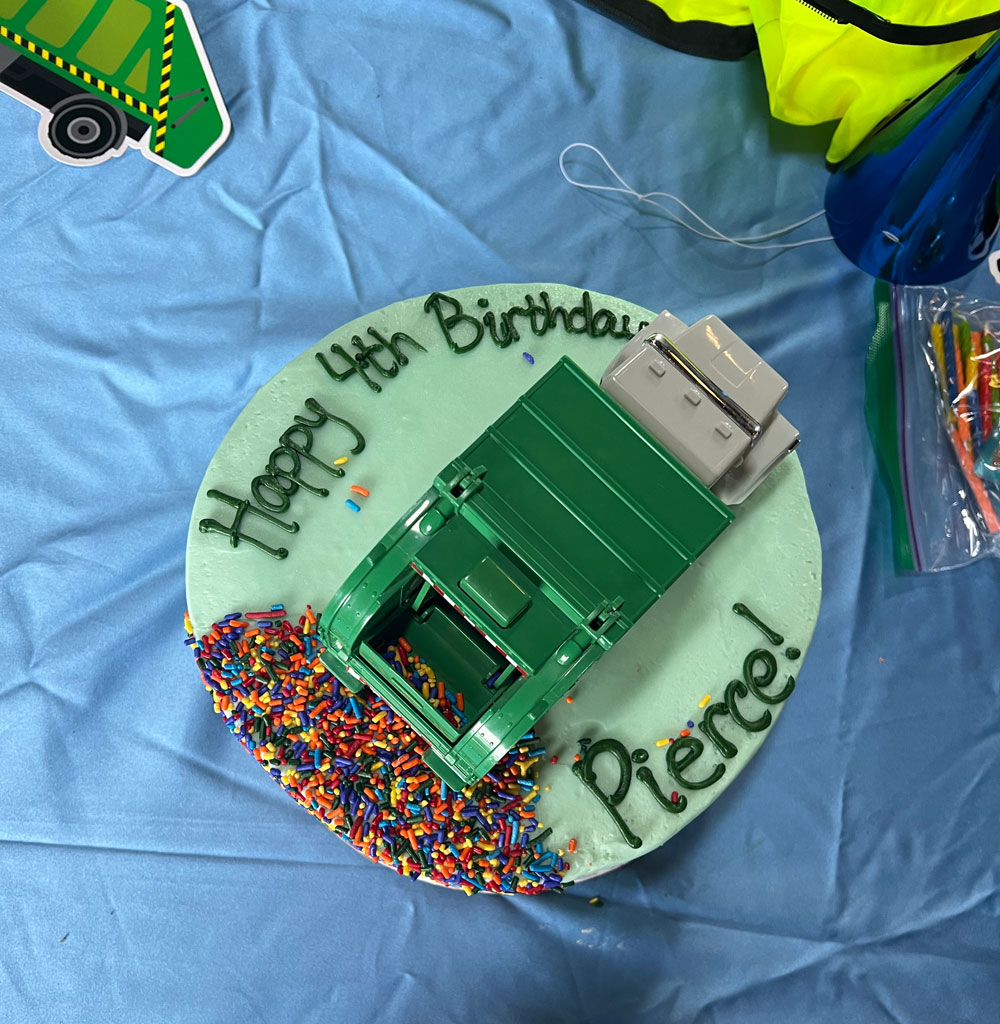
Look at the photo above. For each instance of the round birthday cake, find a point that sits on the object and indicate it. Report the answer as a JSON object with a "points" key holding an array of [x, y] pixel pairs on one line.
{"points": [[334, 457]]}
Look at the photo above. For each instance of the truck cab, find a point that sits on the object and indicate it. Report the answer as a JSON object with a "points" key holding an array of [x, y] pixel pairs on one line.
{"points": [[538, 548]]}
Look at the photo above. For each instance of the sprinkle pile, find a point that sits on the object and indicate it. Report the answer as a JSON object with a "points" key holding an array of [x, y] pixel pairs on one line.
{"points": [[422, 678], [355, 765]]}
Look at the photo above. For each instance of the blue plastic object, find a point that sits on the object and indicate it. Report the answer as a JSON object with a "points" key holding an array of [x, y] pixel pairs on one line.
{"points": [[916, 203]]}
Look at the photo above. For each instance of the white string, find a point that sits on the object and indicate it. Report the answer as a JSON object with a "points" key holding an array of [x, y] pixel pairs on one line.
{"points": [[715, 236]]}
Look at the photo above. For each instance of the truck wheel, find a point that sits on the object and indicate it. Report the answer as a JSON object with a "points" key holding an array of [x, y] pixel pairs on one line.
{"points": [[83, 127]]}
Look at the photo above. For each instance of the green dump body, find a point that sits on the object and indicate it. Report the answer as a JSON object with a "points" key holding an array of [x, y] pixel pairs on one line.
{"points": [[532, 554], [143, 57]]}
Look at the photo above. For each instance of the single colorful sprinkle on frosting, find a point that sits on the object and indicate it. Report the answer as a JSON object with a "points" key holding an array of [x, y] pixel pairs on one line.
{"points": [[355, 765]]}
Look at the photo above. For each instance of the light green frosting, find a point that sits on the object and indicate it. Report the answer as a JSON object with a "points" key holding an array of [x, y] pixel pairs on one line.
{"points": [[688, 646]]}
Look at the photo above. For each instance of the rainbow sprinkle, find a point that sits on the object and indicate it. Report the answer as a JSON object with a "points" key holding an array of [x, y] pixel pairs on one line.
{"points": [[422, 678], [355, 765]]}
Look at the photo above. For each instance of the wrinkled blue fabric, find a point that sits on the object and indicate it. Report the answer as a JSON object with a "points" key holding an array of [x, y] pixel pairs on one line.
{"points": [[149, 870]]}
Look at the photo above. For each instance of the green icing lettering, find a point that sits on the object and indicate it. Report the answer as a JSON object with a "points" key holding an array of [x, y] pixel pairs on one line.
{"points": [[582, 319], [273, 489], [505, 334], [676, 763], [736, 690], [267, 482], [542, 317], [235, 533], [708, 727], [645, 776], [757, 680], [744, 612], [627, 331], [393, 343], [449, 323], [584, 771], [534, 313], [365, 357], [603, 322], [304, 448], [353, 366], [555, 312], [507, 331], [291, 473], [283, 483], [322, 416]]}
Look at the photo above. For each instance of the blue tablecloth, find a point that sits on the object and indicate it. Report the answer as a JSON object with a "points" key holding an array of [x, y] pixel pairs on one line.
{"points": [[149, 870]]}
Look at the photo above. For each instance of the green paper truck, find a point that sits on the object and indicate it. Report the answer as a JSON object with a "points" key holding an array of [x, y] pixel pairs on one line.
{"points": [[107, 74], [537, 549]]}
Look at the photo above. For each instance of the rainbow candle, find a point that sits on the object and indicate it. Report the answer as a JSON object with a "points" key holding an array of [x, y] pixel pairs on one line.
{"points": [[937, 342], [982, 387], [976, 488], [985, 372], [970, 387], [993, 372], [959, 403]]}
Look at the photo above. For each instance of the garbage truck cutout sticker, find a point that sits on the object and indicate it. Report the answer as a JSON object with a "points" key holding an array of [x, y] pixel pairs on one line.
{"points": [[109, 74]]}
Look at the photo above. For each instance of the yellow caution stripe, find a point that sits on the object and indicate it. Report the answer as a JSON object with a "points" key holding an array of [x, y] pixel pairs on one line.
{"points": [[72, 69], [168, 53]]}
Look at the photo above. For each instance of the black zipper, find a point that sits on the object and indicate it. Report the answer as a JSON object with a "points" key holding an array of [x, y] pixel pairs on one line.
{"points": [[844, 12]]}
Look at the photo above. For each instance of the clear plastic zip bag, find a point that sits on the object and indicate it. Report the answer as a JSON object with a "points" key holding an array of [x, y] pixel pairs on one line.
{"points": [[933, 408]]}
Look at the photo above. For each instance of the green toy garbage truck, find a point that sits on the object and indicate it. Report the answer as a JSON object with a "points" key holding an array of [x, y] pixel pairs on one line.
{"points": [[538, 548], [106, 74]]}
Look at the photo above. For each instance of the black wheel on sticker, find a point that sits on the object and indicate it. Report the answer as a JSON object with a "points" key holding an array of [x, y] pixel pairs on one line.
{"points": [[84, 127]]}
